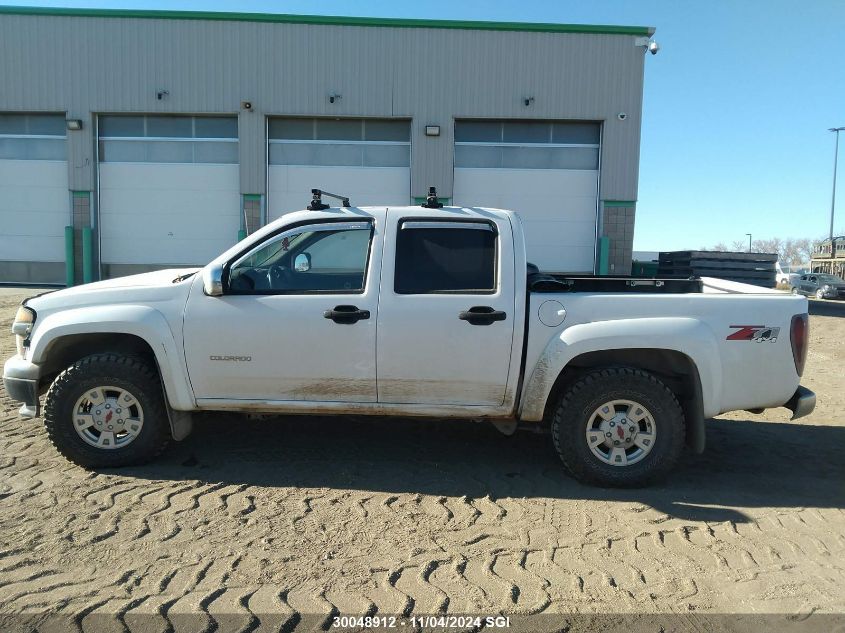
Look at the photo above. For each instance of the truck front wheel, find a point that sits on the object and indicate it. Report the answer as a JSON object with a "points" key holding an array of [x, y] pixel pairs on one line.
{"points": [[107, 410], [619, 427]]}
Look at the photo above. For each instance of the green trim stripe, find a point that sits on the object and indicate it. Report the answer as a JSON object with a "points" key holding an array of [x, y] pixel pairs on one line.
{"points": [[79, 194], [604, 255], [87, 255], [619, 203], [332, 20], [252, 196], [241, 234], [69, 260]]}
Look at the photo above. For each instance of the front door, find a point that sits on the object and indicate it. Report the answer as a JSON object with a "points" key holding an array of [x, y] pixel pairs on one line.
{"points": [[297, 320], [446, 318]]}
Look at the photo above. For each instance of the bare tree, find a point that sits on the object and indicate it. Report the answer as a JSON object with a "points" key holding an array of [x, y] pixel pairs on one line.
{"points": [[791, 251], [774, 245]]}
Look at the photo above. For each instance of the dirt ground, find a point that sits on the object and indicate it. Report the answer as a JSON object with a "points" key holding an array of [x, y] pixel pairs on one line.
{"points": [[275, 524]]}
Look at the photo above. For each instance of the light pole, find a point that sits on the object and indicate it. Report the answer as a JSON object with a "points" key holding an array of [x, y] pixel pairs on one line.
{"points": [[833, 195], [749, 242]]}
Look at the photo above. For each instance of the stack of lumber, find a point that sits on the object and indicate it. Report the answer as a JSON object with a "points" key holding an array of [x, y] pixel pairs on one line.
{"points": [[749, 268]]}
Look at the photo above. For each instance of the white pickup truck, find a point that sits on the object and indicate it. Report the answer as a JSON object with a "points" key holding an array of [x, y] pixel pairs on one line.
{"points": [[406, 311]]}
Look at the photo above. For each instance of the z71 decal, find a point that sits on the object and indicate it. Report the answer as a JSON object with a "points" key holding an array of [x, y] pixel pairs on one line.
{"points": [[756, 333]]}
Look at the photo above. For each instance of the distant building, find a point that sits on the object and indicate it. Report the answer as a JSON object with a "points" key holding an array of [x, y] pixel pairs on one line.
{"points": [[830, 257]]}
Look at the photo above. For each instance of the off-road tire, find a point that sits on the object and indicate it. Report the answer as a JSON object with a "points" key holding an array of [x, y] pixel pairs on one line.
{"points": [[590, 392], [129, 372]]}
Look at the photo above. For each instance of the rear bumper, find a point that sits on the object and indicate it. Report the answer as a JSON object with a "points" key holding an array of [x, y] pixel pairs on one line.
{"points": [[20, 379], [802, 402]]}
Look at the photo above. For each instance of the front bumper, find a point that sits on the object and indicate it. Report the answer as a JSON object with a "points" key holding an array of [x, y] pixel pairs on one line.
{"points": [[833, 293], [802, 402], [20, 378]]}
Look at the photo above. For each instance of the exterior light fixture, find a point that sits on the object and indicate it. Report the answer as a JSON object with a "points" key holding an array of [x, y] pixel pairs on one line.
{"points": [[432, 130], [527, 101], [335, 97], [74, 124]]}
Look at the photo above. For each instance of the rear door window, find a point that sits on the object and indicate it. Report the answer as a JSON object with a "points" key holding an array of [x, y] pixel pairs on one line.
{"points": [[445, 257]]}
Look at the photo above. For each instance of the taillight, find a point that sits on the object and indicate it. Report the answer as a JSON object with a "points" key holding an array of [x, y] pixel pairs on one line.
{"points": [[799, 336]]}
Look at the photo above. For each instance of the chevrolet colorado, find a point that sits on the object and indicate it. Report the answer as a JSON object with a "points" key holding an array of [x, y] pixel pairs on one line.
{"points": [[406, 311]]}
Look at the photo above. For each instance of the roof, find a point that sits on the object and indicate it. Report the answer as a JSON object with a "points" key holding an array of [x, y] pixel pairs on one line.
{"points": [[332, 20]]}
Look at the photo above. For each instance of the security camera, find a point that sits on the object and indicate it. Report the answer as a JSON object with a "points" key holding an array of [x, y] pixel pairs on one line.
{"points": [[246, 105], [653, 47], [334, 97], [621, 116]]}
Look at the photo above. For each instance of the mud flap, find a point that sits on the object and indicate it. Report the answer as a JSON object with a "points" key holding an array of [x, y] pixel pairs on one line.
{"points": [[181, 423], [505, 427], [693, 407]]}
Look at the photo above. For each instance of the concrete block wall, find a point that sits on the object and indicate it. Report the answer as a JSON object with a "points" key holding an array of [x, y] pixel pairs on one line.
{"points": [[81, 216], [252, 219], [618, 227]]}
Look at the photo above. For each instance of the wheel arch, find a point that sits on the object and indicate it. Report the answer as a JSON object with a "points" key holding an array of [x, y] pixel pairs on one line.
{"points": [[66, 336], [673, 368], [682, 351]]}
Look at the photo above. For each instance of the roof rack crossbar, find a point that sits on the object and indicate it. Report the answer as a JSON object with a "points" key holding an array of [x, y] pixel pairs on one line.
{"points": [[317, 203]]}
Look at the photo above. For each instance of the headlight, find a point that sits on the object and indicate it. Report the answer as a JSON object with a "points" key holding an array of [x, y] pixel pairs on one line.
{"points": [[24, 320]]}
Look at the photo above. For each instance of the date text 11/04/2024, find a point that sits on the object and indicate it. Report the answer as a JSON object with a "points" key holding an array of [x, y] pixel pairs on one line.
{"points": [[424, 621]]}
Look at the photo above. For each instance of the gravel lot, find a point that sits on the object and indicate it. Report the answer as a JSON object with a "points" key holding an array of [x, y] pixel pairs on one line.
{"points": [[296, 520]]}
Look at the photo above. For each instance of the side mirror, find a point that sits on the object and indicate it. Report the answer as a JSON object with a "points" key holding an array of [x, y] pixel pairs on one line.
{"points": [[212, 280], [302, 263]]}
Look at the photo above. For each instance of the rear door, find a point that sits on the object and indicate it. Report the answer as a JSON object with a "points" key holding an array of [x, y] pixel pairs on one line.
{"points": [[446, 311]]}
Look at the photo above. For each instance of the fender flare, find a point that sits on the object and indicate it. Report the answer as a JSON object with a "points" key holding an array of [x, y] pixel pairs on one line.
{"points": [[142, 321], [687, 336]]}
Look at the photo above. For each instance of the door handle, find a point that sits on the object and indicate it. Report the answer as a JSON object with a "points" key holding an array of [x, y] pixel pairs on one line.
{"points": [[346, 314], [482, 315]]}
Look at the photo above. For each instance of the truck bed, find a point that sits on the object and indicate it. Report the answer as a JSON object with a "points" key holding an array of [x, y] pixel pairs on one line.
{"points": [[539, 282]]}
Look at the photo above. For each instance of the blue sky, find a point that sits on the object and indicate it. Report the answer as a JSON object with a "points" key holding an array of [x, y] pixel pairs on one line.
{"points": [[736, 108]]}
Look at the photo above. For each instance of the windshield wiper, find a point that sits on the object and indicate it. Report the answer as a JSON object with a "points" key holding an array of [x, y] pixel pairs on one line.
{"points": [[184, 277]]}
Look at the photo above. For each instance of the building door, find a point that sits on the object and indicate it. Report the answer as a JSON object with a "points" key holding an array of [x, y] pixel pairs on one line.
{"points": [[547, 171], [367, 160], [169, 191], [35, 201]]}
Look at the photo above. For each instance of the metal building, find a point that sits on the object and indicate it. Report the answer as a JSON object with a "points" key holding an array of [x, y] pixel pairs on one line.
{"points": [[133, 140]]}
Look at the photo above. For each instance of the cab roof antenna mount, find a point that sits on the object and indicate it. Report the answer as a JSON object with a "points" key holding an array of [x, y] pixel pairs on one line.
{"points": [[431, 201], [317, 203]]}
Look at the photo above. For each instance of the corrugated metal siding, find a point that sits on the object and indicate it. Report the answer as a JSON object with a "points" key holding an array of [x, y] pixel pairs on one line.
{"points": [[82, 65]]}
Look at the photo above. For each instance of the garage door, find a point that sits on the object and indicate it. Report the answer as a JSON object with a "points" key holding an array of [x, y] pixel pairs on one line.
{"points": [[367, 160], [34, 198], [169, 191], [545, 170]]}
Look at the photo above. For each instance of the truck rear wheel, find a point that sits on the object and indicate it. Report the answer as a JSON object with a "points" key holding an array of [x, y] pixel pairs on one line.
{"points": [[619, 427], [107, 410]]}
